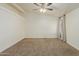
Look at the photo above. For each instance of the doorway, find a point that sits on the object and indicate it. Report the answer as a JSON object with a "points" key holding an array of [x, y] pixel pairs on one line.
{"points": [[61, 28]]}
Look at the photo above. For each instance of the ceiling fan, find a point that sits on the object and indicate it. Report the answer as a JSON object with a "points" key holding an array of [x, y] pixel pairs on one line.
{"points": [[43, 7]]}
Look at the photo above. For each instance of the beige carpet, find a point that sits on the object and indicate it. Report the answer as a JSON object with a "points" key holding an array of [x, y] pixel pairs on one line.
{"points": [[41, 47]]}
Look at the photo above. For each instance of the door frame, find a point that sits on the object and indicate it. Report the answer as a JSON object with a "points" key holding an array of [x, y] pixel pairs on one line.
{"points": [[63, 28]]}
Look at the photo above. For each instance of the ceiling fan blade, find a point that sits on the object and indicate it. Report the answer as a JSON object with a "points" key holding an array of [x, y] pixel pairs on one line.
{"points": [[36, 4], [49, 4], [42, 5], [49, 9], [35, 9]]}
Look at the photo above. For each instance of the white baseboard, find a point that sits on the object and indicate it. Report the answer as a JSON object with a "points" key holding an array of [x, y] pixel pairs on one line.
{"points": [[39, 36], [8, 46], [17, 40], [73, 45]]}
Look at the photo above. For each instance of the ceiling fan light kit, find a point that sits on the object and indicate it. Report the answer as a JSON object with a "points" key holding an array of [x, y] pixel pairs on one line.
{"points": [[43, 10], [44, 7]]}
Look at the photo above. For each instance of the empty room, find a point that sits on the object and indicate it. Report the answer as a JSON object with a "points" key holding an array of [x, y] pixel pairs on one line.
{"points": [[39, 29]]}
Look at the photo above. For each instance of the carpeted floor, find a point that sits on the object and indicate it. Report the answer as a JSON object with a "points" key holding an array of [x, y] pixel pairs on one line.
{"points": [[41, 47]]}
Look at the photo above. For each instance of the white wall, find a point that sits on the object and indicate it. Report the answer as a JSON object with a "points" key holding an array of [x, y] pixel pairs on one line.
{"points": [[40, 26], [11, 27], [72, 28]]}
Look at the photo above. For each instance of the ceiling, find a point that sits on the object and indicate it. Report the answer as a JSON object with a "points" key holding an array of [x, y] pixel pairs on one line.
{"points": [[59, 9]]}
